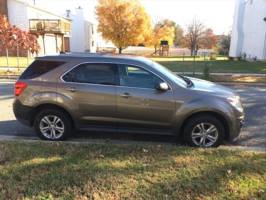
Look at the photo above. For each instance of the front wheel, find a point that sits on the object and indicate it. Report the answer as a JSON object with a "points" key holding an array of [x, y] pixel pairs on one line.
{"points": [[52, 125], [204, 131]]}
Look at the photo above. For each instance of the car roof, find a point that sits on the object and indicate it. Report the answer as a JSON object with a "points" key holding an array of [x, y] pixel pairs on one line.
{"points": [[95, 57]]}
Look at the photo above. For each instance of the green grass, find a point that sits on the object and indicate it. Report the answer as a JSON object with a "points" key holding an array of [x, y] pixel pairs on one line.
{"points": [[223, 66], [13, 61], [85, 171], [186, 58], [175, 64], [13, 70]]}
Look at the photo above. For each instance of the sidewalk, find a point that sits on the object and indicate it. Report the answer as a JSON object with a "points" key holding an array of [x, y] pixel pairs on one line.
{"points": [[245, 78], [82, 141], [224, 74]]}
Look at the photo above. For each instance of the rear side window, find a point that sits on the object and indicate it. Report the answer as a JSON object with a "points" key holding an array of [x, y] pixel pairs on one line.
{"points": [[40, 67], [93, 73]]}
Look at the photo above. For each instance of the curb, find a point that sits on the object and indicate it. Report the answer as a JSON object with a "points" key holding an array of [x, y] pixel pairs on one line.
{"points": [[32, 139], [241, 83]]}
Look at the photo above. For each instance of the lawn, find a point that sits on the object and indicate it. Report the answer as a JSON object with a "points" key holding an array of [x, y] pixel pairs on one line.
{"points": [[224, 66], [173, 63], [13, 61], [40, 170]]}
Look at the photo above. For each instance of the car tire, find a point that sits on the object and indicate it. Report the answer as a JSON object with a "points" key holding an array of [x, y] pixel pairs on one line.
{"points": [[53, 125], [204, 131]]}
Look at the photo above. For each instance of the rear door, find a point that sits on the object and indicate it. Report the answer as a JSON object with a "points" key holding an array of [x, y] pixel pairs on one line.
{"points": [[92, 90], [140, 106]]}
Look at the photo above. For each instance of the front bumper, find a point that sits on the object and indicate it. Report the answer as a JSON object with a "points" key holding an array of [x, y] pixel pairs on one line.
{"points": [[23, 113], [236, 129]]}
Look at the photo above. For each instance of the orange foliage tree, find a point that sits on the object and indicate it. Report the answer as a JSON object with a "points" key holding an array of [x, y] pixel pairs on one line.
{"points": [[6, 36], [12, 37], [123, 22], [209, 39], [197, 36], [164, 30]]}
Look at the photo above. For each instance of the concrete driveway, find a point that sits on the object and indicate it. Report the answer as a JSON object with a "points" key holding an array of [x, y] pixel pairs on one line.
{"points": [[253, 134]]}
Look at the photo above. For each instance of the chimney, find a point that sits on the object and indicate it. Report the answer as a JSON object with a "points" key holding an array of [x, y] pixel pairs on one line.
{"points": [[3, 8], [68, 13]]}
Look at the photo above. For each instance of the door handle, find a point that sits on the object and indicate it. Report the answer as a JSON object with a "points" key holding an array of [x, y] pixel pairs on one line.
{"points": [[125, 95], [71, 89]]}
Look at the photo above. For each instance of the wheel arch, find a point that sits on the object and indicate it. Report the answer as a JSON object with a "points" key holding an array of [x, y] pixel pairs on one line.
{"points": [[37, 109], [218, 116]]}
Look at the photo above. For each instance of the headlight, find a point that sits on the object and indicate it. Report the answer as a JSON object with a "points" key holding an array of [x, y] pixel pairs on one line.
{"points": [[236, 103]]}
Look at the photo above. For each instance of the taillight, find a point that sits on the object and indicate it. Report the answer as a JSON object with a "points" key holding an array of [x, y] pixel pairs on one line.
{"points": [[19, 87]]}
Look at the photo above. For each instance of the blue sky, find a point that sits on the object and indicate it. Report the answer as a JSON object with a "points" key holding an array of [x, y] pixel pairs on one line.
{"points": [[216, 14]]}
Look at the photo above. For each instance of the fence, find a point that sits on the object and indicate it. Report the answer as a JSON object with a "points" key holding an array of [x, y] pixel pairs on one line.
{"points": [[13, 70]]}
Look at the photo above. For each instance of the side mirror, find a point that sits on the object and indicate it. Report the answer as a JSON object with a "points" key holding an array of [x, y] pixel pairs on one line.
{"points": [[162, 86]]}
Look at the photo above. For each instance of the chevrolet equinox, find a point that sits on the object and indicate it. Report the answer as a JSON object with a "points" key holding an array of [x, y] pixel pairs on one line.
{"points": [[125, 94]]}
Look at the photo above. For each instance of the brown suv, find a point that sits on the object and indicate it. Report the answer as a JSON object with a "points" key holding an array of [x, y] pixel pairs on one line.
{"points": [[57, 94]]}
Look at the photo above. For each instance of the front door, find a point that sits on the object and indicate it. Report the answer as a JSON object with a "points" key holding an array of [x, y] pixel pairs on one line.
{"points": [[140, 106]]}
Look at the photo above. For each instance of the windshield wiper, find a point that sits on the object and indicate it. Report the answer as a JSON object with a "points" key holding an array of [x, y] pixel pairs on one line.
{"points": [[187, 80]]}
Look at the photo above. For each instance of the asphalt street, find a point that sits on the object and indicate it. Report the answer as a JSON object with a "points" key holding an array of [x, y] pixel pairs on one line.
{"points": [[253, 134]]}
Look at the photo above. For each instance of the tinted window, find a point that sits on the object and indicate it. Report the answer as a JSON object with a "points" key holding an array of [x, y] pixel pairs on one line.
{"points": [[170, 74], [39, 67], [104, 74], [132, 76]]}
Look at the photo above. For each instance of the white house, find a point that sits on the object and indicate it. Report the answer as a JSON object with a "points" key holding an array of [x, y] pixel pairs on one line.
{"points": [[52, 30], [249, 30], [84, 35], [83, 32], [75, 32]]}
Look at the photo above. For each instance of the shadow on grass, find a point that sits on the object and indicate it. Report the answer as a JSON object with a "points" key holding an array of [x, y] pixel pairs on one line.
{"points": [[131, 171], [228, 180]]}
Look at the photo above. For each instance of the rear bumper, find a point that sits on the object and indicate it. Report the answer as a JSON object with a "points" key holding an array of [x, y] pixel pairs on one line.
{"points": [[23, 113]]}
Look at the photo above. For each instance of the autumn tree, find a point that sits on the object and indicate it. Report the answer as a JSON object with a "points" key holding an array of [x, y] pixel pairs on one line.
{"points": [[6, 36], [33, 45], [123, 22], [12, 37], [19, 41], [208, 40], [164, 30], [195, 32]]}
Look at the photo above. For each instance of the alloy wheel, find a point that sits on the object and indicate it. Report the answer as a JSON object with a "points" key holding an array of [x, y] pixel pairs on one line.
{"points": [[205, 135], [52, 127]]}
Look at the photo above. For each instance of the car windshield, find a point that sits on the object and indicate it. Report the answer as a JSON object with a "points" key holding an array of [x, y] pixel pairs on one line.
{"points": [[170, 74]]}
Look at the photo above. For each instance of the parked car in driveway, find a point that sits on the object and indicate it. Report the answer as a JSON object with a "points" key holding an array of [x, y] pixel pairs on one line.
{"points": [[59, 94]]}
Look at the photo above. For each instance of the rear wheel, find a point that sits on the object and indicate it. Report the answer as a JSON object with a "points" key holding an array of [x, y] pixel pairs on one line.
{"points": [[204, 131], [52, 125]]}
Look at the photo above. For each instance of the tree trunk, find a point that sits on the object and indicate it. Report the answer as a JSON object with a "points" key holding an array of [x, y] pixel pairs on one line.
{"points": [[7, 61], [120, 50], [28, 54], [18, 64]]}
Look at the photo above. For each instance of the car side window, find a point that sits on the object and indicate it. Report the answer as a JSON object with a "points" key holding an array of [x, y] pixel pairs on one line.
{"points": [[94, 73], [132, 76]]}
